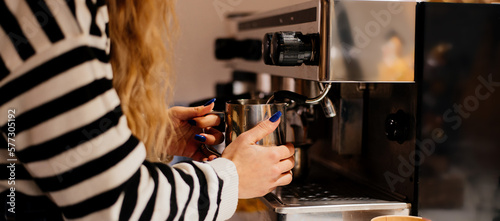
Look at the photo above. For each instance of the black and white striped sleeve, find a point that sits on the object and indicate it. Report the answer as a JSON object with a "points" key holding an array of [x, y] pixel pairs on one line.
{"points": [[71, 135]]}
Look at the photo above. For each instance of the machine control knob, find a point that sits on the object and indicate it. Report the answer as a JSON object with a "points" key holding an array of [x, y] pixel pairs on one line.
{"points": [[229, 48], [266, 49], [288, 48], [397, 126]]}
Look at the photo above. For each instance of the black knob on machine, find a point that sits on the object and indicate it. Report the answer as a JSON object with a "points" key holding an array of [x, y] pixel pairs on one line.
{"points": [[266, 47], [229, 48], [288, 48], [397, 126]]}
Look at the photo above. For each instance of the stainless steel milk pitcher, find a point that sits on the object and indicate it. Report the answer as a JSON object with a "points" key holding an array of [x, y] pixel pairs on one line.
{"points": [[244, 114]]}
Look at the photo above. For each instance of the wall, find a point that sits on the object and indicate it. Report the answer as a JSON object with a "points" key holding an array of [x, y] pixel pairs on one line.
{"points": [[201, 22]]}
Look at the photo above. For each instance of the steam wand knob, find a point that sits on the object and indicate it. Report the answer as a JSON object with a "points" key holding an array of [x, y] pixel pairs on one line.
{"points": [[397, 126]]}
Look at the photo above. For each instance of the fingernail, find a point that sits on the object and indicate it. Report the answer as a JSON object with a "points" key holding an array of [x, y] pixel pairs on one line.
{"points": [[275, 116], [192, 122], [209, 102], [200, 138]]}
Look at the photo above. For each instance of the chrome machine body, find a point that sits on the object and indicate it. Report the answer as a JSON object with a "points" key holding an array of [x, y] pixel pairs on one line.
{"points": [[394, 70]]}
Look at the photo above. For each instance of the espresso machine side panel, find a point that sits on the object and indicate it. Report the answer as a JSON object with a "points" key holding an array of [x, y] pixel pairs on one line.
{"points": [[458, 77], [359, 146]]}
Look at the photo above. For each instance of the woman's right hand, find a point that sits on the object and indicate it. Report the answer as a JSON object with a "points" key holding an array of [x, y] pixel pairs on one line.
{"points": [[260, 168]]}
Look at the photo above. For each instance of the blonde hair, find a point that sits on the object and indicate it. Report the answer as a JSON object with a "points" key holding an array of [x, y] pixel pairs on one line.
{"points": [[141, 38]]}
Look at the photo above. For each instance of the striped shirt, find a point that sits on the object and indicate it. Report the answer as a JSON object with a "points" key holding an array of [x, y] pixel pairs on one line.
{"points": [[74, 155]]}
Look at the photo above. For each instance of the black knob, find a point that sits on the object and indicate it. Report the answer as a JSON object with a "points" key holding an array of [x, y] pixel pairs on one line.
{"points": [[397, 126], [289, 48], [229, 48], [266, 47]]}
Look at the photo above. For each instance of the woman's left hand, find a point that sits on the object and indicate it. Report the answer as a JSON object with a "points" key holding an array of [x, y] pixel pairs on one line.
{"points": [[189, 123]]}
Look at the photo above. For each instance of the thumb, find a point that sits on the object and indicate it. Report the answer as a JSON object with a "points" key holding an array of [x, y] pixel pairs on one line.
{"points": [[264, 128], [186, 113]]}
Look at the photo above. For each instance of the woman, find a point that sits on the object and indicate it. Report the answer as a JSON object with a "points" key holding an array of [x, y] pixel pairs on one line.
{"points": [[87, 106]]}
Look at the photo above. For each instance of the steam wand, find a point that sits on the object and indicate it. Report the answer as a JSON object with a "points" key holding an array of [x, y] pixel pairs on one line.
{"points": [[322, 98], [322, 94], [298, 98], [326, 103]]}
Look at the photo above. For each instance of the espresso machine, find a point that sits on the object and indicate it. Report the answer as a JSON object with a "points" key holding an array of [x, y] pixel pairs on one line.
{"points": [[398, 107]]}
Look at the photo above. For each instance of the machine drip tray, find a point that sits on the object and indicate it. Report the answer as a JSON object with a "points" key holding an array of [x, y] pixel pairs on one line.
{"points": [[335, 197], [314, 198]]}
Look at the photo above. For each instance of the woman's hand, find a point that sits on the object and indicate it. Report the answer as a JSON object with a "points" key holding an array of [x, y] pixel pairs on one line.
{"points": [[260, 168], [188, 123]]}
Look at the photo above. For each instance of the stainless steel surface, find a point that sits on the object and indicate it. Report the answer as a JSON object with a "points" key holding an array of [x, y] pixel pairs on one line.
{"points": [[347, 132], [244, 114], [328, 108], [324, 47], [320, 197], [369, 41], [355, 215], [301, 168], [263, 84], [288, 84]]}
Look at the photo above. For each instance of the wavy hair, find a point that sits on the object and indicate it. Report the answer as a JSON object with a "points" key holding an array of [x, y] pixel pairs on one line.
{"points": [[141, 33]]}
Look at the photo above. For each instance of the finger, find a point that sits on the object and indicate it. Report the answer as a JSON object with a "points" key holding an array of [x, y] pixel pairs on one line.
{"points": [[193, 151], [210, 120], [186, 113], [212, 157], [206, 149], [281, 152], [271, 190], [291, 149], [199, 156], [286, 164], [213, 136], [263, 128], [284, 179]]}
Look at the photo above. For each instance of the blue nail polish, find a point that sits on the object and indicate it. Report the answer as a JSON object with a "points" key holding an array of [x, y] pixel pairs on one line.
{"points": [[275, 116], [192, 122], [200, 138], [209, 102]]}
